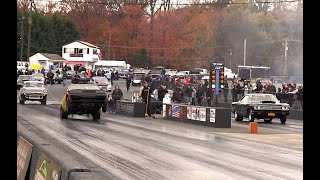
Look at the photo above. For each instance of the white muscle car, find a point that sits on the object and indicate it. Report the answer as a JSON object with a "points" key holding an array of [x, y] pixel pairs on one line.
{"points": [[33, 91]]}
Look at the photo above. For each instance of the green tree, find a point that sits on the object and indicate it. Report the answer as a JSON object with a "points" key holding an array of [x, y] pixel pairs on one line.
{"points": [[48, 33], [140, 58]]}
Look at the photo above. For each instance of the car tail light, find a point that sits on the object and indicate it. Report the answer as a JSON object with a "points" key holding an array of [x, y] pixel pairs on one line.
{"points": [[68, 92]]}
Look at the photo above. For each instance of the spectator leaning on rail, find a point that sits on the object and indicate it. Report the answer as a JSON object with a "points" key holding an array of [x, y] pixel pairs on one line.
{"points": [[116, 94], [271, 88], [188, 94]]}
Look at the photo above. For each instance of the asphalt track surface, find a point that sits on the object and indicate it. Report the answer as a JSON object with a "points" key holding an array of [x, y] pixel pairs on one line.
{"points": [[122, 147]]}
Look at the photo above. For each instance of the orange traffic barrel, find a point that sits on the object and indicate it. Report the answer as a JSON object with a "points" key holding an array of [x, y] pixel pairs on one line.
{"points": [[253, 127]]}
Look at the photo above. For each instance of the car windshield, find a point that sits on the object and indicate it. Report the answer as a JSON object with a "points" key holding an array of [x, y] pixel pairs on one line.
{"points": [[81, 75], [260, 98], [137, 76], [101, 80], [84, 86], [25, 77], [37, 75], [33, 84]]}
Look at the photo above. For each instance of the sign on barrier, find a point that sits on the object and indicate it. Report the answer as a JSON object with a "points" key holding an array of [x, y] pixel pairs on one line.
{"points": [[24, 152], [164, 109], [189, 112], [212, 115], [202, 114], [47, 169]]}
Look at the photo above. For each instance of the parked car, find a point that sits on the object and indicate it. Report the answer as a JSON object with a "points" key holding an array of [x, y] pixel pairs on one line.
{"points": [[260, 106], [103, 83], [38, 77], [21, 79], [33, 91], [138, 78]]}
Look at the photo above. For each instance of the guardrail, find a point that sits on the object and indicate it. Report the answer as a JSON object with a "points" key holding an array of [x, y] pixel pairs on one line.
{"points": [[39, 159]]}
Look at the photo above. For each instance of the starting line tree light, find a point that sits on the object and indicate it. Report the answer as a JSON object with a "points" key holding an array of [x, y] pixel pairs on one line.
{"points": [[216, 78]]}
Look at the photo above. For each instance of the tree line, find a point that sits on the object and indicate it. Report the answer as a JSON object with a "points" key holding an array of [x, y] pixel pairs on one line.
{"points": [[183, 36], [48, 32]]}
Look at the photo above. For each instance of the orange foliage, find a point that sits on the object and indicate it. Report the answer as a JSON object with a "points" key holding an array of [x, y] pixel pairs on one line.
{"points": [[182, 38]]}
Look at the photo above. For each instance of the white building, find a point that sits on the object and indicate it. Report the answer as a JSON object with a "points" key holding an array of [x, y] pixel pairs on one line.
{"points": [[46, 60], [81, 53]]}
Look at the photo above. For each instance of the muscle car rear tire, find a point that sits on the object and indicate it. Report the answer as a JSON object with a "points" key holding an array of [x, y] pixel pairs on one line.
{"points": [[63, 115], [250, 116], [237, 117], [96, 116], [283, 120], [44, 100]]}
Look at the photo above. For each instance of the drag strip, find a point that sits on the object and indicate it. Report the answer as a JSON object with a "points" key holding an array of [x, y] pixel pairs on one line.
{"points": [[146, 148]]}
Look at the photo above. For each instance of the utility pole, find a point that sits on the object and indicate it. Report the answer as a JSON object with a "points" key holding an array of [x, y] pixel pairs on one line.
{"points": [[109, 45], [29, 37], [230, 58], [244, 51], [32, 8], [21, 40], [285, 73]]}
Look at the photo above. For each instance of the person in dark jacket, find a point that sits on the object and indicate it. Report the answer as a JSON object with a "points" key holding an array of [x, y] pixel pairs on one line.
{"points": [[188, 94], [50, 76], [199, 95], [145, 94], [128, 82], [162, 91], [226, 90], [178, 94], [208, 96], [116, 94]]}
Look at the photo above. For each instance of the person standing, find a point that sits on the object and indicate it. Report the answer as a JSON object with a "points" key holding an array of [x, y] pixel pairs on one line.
{"points": [[200, 95], [208, 96], [116, 94], [178, 94], [188, 93], [226, 90], [128, 82], [146, 95], [162, 91]]}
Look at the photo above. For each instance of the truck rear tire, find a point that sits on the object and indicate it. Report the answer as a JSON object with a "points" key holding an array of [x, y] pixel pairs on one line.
{"points": [[96, 116], [63, 115]]}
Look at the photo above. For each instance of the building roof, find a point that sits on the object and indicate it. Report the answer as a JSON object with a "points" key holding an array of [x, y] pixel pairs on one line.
{"points": [[53, 56], [84, 43], [88, 44]]}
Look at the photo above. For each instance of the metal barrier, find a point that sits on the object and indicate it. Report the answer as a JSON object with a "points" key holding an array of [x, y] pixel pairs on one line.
{"points": [[46, 160]]}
